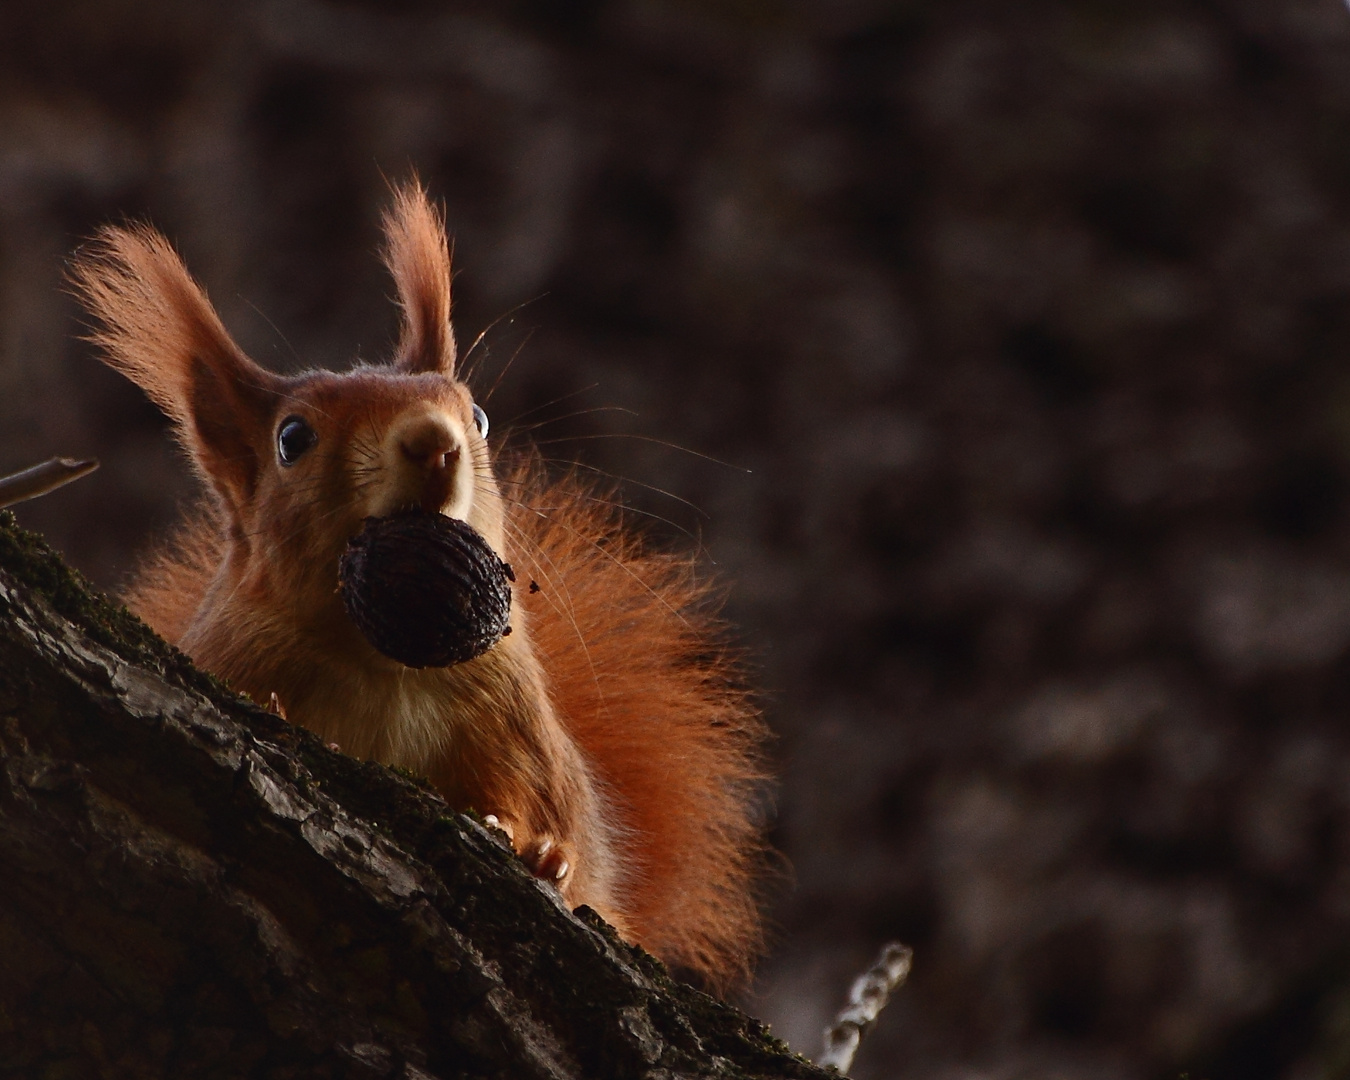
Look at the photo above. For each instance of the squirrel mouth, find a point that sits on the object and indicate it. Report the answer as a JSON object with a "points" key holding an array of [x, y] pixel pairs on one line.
{"points": [[436, 490]]}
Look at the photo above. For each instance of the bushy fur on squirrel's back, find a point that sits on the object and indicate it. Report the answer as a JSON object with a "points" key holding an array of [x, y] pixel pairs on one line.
{"points": [[640, 669]]}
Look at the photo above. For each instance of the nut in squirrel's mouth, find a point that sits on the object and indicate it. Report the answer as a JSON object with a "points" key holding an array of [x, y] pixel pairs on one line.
{"points": [[425, 589]]}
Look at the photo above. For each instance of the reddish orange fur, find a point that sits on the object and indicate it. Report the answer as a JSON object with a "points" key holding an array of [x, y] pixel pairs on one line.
{"points": [[172, 579], [611, 722], [418, 258], [641, 672]]}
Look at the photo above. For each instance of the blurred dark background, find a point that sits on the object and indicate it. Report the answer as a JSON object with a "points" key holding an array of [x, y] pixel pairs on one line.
{"points": [[1030, 323]]}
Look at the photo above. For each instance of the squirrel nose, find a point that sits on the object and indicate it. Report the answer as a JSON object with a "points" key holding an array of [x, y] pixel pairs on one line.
{"points": [[431, 446]]}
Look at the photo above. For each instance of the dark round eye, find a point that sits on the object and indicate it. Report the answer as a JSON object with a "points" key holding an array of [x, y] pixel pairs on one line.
{"points": [[480, 420], [294, 437]]}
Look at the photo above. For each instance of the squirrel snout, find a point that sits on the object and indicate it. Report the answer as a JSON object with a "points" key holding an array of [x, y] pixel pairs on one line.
{"points": [[431, 446], [430, 450]]}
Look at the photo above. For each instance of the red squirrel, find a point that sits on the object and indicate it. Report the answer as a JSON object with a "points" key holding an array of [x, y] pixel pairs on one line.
{"points": [[608, 734]]}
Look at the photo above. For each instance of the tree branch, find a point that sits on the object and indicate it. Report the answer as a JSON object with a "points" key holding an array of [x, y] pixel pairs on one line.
{"points": [[51, 474], [193, 887]]}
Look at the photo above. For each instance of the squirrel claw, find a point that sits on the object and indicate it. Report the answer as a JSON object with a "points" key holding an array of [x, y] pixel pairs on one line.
{"points": [[544, 857], [275, 707], [547, 861]]}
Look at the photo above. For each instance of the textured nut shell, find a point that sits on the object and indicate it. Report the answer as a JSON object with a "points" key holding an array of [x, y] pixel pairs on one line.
{"points": [[425, 589]]}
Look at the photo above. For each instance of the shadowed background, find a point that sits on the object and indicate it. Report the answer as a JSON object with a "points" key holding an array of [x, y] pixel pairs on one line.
{"points": [[1022, 329]]}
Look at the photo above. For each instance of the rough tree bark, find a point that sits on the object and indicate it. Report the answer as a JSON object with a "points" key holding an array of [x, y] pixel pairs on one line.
{"points": [[191, 887]]}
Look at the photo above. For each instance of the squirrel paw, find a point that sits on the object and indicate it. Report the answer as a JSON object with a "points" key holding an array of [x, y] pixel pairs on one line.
{"points": [[543, 856], [546, 860]]}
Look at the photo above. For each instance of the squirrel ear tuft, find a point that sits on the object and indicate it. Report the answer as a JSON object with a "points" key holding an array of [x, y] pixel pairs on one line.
{"points": [[155, 325], [418, 257]]}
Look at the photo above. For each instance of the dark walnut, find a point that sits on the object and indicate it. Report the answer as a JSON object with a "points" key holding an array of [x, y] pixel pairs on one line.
{"points": [[425, 589]]}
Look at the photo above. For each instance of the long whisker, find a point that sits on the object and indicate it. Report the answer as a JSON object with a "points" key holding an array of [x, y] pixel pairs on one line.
{"points": [[627, 480], [646, 439], [507, 367], [605, 553], [509, 314], [553, 586], [622, 507], [275, 329], [517, 428], [549, 404]]}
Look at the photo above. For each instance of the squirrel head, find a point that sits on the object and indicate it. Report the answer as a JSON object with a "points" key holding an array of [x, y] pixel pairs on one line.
{"points": [[297, 463]]}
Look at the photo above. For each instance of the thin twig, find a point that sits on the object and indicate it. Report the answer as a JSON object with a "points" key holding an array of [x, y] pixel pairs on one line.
{"points": [[43, 478], [866, 998]]}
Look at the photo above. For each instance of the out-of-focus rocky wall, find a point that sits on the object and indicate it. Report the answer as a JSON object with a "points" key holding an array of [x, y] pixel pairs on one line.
{"points": [[1032, 325]]}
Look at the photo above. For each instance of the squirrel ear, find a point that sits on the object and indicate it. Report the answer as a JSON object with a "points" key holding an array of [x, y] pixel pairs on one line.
{"points": [[155, 325], [418, 257]]}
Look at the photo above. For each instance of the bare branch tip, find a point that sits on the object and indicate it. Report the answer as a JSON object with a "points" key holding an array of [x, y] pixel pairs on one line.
{"points": [[40, 479], [866, 998]]}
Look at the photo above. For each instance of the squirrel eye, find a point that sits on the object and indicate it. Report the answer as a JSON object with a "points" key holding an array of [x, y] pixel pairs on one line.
{"points": [[294, 437], [480, 420]]}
